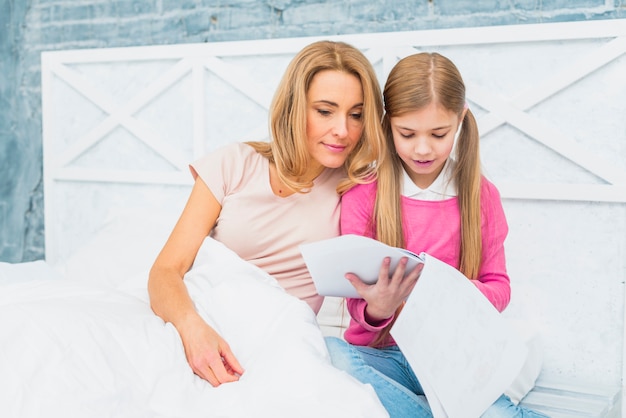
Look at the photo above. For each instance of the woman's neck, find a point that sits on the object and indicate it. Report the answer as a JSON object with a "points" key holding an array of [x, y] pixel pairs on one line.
{"points": [[281, 189]]}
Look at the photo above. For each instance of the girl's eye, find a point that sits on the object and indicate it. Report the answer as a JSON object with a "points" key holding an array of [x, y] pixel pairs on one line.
{"points": [[440, 136], [407, 136]]}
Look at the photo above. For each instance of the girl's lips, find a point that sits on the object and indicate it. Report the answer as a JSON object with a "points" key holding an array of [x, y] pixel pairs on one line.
{"points": [[420, 163]]}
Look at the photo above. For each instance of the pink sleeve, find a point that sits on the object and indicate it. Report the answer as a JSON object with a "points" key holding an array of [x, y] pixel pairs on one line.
{"points": [[356, 211], [493, 280], [356, 307]]}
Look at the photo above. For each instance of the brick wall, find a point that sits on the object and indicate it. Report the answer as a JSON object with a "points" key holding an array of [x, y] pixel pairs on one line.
{"points": [[28, 27]]}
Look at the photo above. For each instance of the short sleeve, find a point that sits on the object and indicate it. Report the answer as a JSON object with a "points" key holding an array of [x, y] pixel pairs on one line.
{"points": [[224, 169]]}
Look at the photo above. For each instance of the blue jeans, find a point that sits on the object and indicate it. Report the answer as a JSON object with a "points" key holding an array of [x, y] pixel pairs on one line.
{"points": [[389, 373]]}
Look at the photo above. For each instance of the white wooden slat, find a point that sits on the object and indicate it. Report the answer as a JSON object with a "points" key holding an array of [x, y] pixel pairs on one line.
{"points": [[260, 133], [493, 34], [122, 114], [548, 136], [50, 124], [153, 139], [83, 143], [199, 108], [578, 69], [90, 175], [241, 80], [85, 88], [155, 88], [563, 192], [423, 38], [565, 399]]}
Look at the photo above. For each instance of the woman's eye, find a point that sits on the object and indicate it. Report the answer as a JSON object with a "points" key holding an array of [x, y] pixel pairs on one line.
{"points": [[323, 112], [356, 116]]}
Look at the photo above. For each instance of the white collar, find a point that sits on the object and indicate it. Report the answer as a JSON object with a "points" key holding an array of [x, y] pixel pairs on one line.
{"points": [[442, 188]]}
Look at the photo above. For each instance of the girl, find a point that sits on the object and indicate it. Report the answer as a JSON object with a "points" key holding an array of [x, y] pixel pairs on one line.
{"points": [[264, 199], [429, 196]]}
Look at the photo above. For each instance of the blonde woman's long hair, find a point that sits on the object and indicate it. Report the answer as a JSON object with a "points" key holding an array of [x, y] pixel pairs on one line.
{"points": [[287, 148], [417, 81]]}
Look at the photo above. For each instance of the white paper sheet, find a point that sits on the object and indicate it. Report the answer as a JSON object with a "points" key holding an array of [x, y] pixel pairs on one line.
{"points": [[461, 349], [329, 260]]}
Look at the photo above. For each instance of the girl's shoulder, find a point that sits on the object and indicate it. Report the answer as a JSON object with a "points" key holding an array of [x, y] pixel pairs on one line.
{"points": [[361, 189], [488, 189]]}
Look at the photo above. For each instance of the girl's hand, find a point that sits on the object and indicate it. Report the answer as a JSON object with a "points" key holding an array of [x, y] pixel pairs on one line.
{"points": [[386, 295], [208, 354]]}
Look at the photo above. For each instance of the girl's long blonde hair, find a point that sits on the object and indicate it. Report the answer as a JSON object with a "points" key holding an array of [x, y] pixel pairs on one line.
{"points": [[415, 82], [287, 148]]}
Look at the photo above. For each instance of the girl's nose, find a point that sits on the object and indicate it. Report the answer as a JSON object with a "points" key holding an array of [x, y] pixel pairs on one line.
{"points": [[421, 146]]}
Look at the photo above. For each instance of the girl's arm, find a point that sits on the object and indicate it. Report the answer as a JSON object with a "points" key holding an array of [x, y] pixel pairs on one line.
{"points": [[493, 280], [356, 211], [207, 353]]}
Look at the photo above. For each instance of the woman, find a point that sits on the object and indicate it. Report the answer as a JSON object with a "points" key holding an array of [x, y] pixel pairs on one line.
{"points": [[264, 199]]}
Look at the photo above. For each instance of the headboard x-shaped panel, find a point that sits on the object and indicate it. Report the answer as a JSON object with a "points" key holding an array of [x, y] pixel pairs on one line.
{"points": [[120, 126]]}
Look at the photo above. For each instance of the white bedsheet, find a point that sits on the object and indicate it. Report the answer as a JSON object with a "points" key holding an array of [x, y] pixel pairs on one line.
{"points": [[73, 348]]}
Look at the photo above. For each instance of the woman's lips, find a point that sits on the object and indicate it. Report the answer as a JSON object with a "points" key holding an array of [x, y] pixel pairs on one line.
{"points": [[335, 148]]}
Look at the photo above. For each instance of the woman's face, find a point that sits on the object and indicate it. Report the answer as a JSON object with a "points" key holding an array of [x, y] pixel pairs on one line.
{"points": [[423, 140], [334, 117]]}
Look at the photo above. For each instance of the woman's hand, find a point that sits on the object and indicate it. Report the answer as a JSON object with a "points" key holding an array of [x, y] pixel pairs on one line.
{"points": [[208, 354], [384, 297]]}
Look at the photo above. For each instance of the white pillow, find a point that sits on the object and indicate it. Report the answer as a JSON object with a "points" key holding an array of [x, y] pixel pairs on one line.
{"points": [[28, 271], [126, 246]]}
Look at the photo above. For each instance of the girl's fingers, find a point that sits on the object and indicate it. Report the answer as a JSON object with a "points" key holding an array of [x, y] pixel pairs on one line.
{"points": [[383, 273], [398, 273]]}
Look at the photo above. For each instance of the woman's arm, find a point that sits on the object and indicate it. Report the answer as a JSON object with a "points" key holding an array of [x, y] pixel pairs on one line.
{"points": [[208, 354]]}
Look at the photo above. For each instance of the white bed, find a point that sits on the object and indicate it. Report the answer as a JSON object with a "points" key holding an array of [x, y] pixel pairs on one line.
{"points": [[77, 337]]}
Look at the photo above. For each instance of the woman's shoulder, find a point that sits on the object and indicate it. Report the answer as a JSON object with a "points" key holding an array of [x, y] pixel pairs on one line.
{"points": [[229, 161], [238, 149], [235, 153]]}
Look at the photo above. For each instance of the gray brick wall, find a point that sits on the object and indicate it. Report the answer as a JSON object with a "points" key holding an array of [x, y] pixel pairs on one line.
{"points": [[28, 27]]}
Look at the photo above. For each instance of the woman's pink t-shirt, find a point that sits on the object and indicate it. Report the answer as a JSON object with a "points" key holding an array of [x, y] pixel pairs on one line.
{"points": [[266, 229]]}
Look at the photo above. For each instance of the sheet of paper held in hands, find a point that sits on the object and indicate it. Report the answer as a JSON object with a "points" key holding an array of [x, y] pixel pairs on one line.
{"points": [[461, 349], [329, 260]]}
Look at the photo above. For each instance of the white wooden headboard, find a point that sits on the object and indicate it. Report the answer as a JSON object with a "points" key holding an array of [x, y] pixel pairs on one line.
{"points": [[121, 125]]}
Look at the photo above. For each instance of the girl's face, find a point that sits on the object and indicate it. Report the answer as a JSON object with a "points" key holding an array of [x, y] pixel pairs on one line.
{"points": [[334, 117], [423, 140]]}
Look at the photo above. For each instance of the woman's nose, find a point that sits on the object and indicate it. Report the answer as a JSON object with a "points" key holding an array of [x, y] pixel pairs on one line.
{"points": [[340, 127]]}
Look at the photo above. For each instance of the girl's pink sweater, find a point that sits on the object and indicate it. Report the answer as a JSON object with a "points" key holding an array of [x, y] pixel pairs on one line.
{"points": [[432, 227]]}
